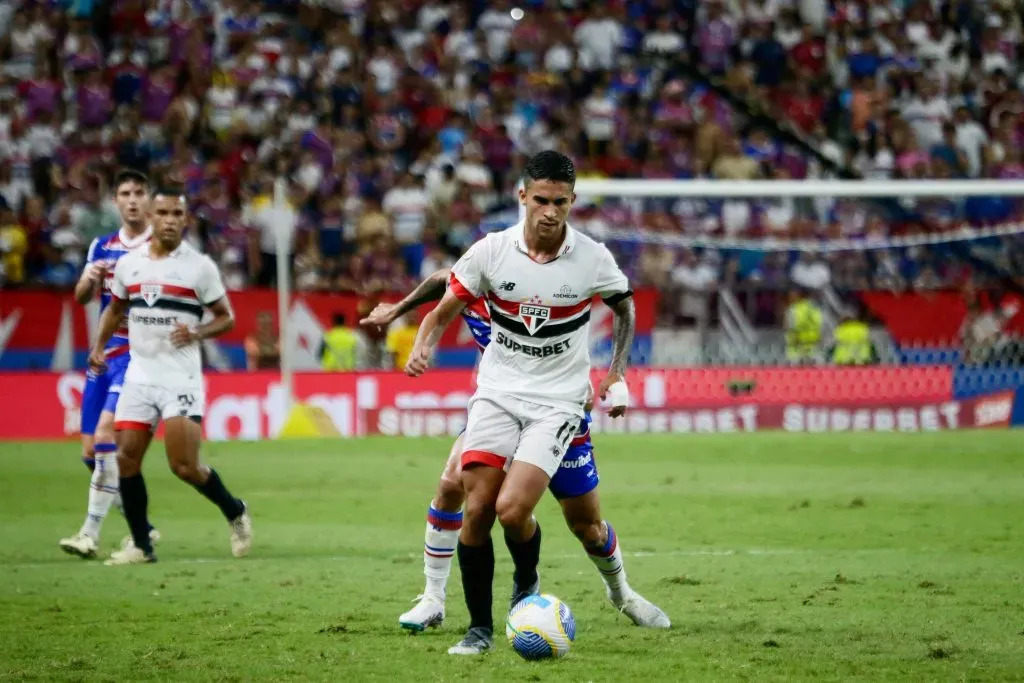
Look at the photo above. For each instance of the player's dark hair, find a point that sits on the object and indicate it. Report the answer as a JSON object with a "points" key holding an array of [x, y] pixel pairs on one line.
{"points": [[169, 190], [339, 320], [130, 175], [550, 165]]}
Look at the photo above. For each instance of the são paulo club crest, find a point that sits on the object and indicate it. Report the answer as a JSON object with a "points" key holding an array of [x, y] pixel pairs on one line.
{"points": [[150, 293], [534, 315]]}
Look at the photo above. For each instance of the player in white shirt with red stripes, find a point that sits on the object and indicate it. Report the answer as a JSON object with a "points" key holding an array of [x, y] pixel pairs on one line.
{"points": [[533, 381], [163, 288]]}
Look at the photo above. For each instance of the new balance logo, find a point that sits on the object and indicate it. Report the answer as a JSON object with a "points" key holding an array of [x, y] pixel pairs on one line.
{"points": [[507, 286]]}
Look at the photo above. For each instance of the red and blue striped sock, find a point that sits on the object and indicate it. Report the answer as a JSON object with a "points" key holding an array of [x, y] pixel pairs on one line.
{"points": [[608, 560], [439, 543]]}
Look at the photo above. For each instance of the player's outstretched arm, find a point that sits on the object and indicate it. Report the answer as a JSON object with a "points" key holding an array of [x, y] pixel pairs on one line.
{"points": [[430, 289], [431, 329], [623, 329], [109, 322], [223, 321]]}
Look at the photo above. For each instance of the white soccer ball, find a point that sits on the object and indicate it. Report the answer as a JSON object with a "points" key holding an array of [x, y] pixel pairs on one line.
{"points": [[540, 626]]}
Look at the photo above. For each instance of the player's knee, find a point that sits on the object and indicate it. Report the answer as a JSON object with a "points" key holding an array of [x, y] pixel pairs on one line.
{"points": [[512, 513], [186, 471]]}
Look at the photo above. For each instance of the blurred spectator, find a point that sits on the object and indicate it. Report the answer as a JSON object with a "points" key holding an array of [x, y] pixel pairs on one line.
{"points": [[339, 348], [400, 340], [803, 323], [811, 272], [695, 279], [262, 346]]}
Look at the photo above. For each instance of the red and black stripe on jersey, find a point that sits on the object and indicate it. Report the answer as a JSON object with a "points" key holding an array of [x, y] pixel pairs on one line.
{"points": [[172, 297], [561, 320]]}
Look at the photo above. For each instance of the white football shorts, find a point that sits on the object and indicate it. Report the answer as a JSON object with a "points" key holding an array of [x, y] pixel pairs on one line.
{"points": [[502, 428], [142, 406]]}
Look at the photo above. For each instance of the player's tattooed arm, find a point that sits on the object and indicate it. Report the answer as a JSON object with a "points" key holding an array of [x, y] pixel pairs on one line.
{"points": [[109, 322], [431, 289], [623, 329], [431, 329], [223, 321]]}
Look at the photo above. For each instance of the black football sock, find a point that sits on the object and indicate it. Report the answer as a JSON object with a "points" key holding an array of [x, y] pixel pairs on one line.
{"points": [[477, 566], [135, 500], [525, 557], [216, 493]]}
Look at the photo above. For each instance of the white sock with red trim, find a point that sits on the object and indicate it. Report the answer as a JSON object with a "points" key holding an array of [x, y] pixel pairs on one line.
{"points": [[608, 561], [439, 542], [103, 489]]}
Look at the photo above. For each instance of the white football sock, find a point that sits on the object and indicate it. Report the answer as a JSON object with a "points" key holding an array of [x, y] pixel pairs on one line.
{"points": [[102, 489], [439, 542], [608, 561]]}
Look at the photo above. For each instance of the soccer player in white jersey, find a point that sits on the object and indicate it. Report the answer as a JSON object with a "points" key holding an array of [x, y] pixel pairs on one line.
{"points": [[99, 399], [164, 289], [533, 382], [575, 486]]}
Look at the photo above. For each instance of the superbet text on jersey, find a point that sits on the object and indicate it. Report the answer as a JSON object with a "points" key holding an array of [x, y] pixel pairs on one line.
{"points": [[539, 348]]}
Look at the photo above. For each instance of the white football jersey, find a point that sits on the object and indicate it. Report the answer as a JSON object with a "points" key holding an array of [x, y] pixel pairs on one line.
{"points": [[539, 349], [162, 293]]}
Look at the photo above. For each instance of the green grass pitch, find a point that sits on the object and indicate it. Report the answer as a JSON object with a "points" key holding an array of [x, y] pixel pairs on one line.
{"points": [[778, 557]]}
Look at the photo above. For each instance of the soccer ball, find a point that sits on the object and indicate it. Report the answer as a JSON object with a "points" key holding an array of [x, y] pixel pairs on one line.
{"points": [[540, 626]]}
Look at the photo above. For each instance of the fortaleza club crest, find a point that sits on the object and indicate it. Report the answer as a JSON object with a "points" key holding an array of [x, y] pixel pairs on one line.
{"points": [[150, 293], [533, 316]]}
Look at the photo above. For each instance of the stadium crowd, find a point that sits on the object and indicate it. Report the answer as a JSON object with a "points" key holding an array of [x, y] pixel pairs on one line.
{"points": [[391, 129]]}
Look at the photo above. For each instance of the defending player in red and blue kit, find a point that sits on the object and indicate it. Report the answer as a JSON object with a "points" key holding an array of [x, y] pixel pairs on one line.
{"points": [[101, 393], [574, 485]]}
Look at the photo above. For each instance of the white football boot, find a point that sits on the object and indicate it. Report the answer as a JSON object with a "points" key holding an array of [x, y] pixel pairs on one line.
{"points": [[427, 613], [130, 555], [80, 544], [478, 641], [241, 533], [640, 610], [129, 542]]}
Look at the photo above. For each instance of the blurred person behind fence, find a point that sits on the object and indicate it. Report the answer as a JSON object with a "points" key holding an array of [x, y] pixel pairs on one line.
{"points": [[262, 347], [339, 347], [803, 324]]}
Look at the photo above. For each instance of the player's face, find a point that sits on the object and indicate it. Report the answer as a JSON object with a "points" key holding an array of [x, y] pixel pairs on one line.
{"points": [[547, 205], [168, 217], [131, 198]]}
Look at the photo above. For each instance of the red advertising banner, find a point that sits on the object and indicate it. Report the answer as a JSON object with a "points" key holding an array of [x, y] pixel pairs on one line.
{"points": [[252, 406], [930, 319]]}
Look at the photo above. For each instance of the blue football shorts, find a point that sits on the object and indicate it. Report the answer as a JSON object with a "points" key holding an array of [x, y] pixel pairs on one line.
{"points": [[102, 391]]}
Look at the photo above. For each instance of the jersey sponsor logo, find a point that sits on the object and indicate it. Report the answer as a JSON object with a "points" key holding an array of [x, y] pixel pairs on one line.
{"points": [[565, 293], [577, 463], [507, 286], [162, 320], [150, 293], [546, 351], [533, 316]]}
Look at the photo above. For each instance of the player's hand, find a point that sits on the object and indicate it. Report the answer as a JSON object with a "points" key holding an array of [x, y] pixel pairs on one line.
{"points": [[419, 360], [602, 391], [98, 361], [182, 336], [95, 272], [381, 315]]}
